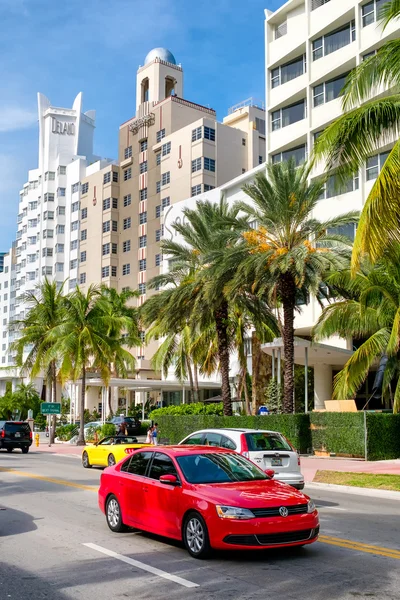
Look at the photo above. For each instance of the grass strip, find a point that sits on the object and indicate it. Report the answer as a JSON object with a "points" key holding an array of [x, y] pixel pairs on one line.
{"points": [[377, 481]]}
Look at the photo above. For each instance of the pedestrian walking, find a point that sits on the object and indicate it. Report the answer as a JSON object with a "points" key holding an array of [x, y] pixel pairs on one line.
{"points": [[149, 437], [154, 434]]}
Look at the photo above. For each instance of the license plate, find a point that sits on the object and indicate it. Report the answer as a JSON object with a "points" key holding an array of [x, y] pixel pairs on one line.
{"points": [[276, 462], [17, 434]]}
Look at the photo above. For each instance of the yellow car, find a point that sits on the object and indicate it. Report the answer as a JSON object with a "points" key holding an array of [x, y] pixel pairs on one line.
{"points": [[109, 451]]}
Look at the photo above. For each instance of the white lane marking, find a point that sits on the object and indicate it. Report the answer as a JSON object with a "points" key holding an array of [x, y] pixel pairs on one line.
{"points": [[333, 508], [143, 566]]}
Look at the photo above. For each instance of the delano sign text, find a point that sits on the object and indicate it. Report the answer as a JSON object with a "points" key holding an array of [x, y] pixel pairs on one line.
{"points": [[62, 128]]}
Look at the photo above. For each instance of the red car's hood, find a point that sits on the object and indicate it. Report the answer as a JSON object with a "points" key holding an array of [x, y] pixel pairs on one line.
{"points": [[256, 494]]}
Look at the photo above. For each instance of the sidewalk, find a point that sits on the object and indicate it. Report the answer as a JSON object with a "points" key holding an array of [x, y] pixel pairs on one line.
{"points": [[311, 464]]}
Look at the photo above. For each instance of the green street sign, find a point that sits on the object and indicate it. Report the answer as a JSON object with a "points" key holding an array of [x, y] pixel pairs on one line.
{"points": [[50, 408]]}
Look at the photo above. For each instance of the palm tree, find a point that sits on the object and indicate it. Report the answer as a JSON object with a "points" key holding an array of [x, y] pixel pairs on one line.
{"points": [[44, 312], [369, 123], [289, 252], [88, 338], [369, 311]]}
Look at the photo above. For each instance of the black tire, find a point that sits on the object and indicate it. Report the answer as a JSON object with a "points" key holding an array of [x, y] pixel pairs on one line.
{"points": [[111, 460], [195, 536], [85, 461], [114, 515], [10, 449], [25, 450]]}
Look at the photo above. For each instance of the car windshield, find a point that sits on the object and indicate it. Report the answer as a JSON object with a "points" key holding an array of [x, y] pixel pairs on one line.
{"points": [[18, 427], [264, 440], [218, 468]]}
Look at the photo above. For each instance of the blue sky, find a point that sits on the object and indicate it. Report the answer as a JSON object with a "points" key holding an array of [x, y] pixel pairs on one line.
{"points": [[96, 46]]}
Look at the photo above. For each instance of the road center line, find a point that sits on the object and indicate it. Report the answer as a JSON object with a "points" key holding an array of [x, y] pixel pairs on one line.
{"points": [[143, 566], [79, 486], [360, 547]]}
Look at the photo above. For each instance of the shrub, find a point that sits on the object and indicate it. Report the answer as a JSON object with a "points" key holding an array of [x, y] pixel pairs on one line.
{"points": [[274, 396], [66, 432], [195, 408], [383, 436], [90, 433], [108, 429], [338, 433]]}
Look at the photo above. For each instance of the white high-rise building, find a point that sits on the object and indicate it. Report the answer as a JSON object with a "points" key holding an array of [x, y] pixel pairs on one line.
{"points": [[47, 239]]}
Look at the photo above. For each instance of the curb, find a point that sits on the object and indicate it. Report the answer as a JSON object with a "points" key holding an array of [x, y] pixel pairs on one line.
{"points": [[356, 491]]}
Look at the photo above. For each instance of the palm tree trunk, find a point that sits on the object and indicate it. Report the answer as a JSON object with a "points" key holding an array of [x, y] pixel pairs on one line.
{"points": [[221, 323], [190, 377], [81, 438], [110, 412], [288, 293], [53, 399], [196, 382]]}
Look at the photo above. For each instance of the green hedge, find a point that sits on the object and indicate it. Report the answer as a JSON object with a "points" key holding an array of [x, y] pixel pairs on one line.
{"points": [[338, 433], [195, 408], [383, 440], [294, 427]]}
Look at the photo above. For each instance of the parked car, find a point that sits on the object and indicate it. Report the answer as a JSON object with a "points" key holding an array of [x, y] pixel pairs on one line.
{"points": [[132, 425], [209, 497], [15, 434], [109, 451], [267, 449]]}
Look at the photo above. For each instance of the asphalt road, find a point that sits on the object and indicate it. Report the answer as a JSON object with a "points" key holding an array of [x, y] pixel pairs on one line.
{"points": [[51, 516]]}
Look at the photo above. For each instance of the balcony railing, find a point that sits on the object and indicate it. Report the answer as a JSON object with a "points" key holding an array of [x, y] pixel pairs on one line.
{"points": [[317, 3]]}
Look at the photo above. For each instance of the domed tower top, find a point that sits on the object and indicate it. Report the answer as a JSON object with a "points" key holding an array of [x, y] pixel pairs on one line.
{"points": [[162, 54]]}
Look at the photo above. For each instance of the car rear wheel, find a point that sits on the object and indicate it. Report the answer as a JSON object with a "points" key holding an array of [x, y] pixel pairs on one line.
{"points": [[85, 461], [195, 536], [10, 449], [111, 460], [114, 516], [25, 450]]}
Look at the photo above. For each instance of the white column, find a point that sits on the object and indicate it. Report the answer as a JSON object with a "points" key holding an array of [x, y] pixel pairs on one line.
{"points": [[322, 385], [183, 395], [306, 379], [279, 367]]}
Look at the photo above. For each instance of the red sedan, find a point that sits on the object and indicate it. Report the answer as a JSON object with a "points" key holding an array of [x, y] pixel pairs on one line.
{"points": [[209, 497]]}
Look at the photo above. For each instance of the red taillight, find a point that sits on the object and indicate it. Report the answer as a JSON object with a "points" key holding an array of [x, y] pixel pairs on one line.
{"points": [[3, 433], [30, 435], [244, 449], [298, 459], [129, 450]]}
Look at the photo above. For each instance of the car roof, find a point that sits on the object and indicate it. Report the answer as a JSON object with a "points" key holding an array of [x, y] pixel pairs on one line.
{"points": [[234, 429], [185, 449]]}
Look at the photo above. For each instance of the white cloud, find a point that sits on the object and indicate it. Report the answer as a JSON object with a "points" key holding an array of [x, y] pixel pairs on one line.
{"points": [[13, 118]]}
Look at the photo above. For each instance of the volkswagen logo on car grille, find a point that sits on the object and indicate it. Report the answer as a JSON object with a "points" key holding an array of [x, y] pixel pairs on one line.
{"points": [[283, 511]]}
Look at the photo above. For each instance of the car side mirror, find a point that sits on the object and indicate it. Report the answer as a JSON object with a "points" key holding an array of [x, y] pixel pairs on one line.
{"points": [[169, 479], [270, 473]]}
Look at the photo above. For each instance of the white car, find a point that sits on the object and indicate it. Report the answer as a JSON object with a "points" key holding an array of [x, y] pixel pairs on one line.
{"points": [[267, 449]]}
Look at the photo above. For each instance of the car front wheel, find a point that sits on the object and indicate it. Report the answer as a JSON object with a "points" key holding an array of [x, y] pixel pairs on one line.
{"points": [[85, 461], [195, 536], [114, 516]]}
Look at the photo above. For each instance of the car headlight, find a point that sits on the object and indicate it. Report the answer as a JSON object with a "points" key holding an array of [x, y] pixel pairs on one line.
{"points": [[311, 506], [232, 512]]}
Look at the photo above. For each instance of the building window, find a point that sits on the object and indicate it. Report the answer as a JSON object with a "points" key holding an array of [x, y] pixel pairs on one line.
{"points": [[371, 12], [317, 3], [374, 165], [288, 115], [60, 229], [207, 187], [196, 134], [260, 160], [45, 271], [158, 260], [62, 170], [209, 133], [368, 55], [196, 190], [348, 231], [158, 235], [143, 145], [196, 165], [73, 245], [60, 192], [49, 176], [106, 226], [49, 197], [60, 212], [74, 225], [166, 149], [127, 223], [115, 203], [59, 248], [84, 213], [288, 71], [75, 206], [142, 167], [158, 211], [329, 90], [84, 188], [114, 225], [160, 135], [331, 42], [128, 152], [47, 252], [126, 269], [158, 158], [106, 203], [127, 200], [75, 188], [115, 176], [280, 30], [82, 278], [142, 264], [48, 233], [73, 263], [142, 241], [113, 271], [143, 217], [84, 234], [142, 288], [335, 187], [114, 248], [165, 202], [243, 141], [209, 164], [165, 178], [127, 174], [105, 272], [158, 187], [143, 194], [107, 178], [83, 256], [126, 246], [106, 249], [299, 154]]}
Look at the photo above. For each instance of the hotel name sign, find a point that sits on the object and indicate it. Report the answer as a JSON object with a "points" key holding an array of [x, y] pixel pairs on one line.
{"points": [[62, 127]]}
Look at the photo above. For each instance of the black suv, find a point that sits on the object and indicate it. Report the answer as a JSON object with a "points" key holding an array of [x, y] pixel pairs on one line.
{"points": [[15, 434], [132, 425]]}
